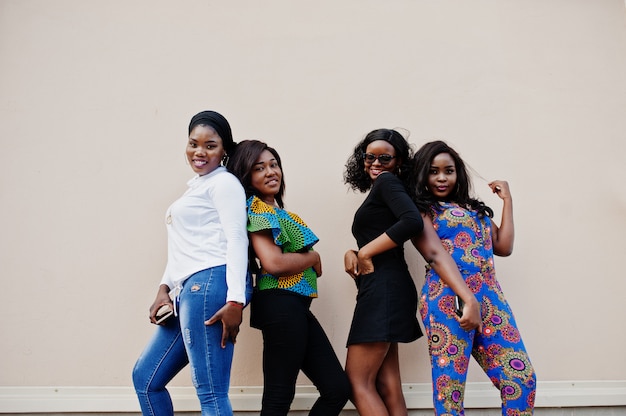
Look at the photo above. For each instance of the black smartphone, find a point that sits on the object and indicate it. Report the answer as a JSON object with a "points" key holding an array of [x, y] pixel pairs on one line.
{"points": [[458, 306]]}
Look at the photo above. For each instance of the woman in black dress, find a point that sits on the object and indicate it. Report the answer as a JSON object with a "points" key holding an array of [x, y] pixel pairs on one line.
{"points": [[386, 309]]}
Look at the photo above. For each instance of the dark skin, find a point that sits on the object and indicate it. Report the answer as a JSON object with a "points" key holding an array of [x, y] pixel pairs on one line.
{"points": [[427, 243], [266, 180], [162, 298], [430, 247], [231, 315], [204, 151]]}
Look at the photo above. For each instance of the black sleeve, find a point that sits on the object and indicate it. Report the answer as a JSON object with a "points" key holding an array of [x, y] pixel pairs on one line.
{"points": [[409, 220]]}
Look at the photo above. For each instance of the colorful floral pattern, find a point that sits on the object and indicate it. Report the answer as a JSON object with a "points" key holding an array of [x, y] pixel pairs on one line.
{"points": [[498, 349]]}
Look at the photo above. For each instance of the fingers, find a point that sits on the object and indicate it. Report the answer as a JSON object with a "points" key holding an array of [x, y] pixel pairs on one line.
{"points": [[352, 271], [230, 317], [152, 315], [467, 325], [366, 269], [501, 188], [351, 264], [471, 319], [232, 335], [495, 186], [216, 317], [228, 332], [225, 336]]}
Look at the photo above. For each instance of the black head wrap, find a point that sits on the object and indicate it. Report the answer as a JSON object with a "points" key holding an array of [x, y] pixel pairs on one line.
{"points": [[218, 123]]}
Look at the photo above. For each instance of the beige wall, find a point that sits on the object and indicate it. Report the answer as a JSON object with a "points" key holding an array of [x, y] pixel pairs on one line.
{"points": [[95, 97]]}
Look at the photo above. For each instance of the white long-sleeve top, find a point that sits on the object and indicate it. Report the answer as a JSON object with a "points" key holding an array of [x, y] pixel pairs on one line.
{"points": [[206, 227]]}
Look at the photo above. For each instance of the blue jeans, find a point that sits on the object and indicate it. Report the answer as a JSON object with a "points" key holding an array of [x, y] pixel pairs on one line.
{"points": [[185, 339]]}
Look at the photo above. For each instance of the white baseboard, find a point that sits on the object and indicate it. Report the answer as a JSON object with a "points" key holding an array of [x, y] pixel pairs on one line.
{"points": [[244, 398]]}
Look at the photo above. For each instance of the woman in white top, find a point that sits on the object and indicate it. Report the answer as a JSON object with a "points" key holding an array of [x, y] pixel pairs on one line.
{"points": [[206, 282]]}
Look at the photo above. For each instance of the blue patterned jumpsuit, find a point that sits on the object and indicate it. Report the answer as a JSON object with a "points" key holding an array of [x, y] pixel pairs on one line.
{"points": [[499, 349]]}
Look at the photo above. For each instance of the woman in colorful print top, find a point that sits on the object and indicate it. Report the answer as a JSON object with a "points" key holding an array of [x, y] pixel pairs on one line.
{"points": [[466, 229], [286, 283], [293, 236]]}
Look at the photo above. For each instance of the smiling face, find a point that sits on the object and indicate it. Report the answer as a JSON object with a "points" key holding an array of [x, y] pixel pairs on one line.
{"points": [[379, 148], [204, 150], [266, 177], [442, 176]]}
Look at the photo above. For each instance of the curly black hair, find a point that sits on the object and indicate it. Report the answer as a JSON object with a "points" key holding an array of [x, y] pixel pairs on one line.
{"points": [[355, 175], [424, 199]]}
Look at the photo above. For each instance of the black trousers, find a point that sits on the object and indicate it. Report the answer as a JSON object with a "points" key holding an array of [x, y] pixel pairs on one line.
{"points": [[294, 340]]}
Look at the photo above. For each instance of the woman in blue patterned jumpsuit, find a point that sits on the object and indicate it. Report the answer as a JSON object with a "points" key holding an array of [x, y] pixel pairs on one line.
{"points": [[466, 229]]}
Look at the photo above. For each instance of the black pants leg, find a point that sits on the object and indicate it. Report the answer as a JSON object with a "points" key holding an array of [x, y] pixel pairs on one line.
{"points": [[293, 340]]}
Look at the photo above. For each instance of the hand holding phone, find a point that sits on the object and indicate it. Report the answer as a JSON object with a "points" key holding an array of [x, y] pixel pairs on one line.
{"points": [[163, 313]]}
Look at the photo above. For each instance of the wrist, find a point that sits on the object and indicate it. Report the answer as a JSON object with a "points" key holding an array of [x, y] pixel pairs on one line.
{"points": [[363, 254], [471, 300], [236, 304]]}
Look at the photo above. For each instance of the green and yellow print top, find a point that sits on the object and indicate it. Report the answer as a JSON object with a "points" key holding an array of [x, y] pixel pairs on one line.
{"points": [[292, 235]]}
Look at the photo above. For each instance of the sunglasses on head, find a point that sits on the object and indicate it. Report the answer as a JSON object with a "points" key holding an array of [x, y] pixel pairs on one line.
{"points": [[384, 159]]}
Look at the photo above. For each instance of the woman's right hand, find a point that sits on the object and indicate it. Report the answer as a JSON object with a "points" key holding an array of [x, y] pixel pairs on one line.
{"points": [[351, 263], [365, 263], [471, 318], [162, 298]]}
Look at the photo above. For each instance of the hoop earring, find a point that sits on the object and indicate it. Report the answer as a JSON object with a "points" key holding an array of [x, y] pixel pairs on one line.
{"points": [[225, 160]]}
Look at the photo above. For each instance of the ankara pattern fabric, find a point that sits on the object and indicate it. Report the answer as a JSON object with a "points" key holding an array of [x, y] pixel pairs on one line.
{"points": [[292, 235], [499, 349]]}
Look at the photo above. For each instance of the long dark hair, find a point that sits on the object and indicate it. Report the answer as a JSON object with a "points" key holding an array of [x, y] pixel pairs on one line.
{"points": [[242, 161], [355, 175], [424, 199]]}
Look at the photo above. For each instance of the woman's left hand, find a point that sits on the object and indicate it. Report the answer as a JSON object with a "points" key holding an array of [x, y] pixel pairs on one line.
{"points": [[500, 188], [231, 317]]}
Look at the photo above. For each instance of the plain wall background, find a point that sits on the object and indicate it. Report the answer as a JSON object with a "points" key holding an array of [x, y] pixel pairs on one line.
{"points": [[96, 96]]}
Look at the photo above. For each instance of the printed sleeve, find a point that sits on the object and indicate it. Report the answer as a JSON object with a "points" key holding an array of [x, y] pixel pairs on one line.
{"points": [[261, 217], [288, 230]]}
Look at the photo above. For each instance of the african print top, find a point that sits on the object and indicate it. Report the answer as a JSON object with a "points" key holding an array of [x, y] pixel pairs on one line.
{"points": [[467, 237], [292, 235]]}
